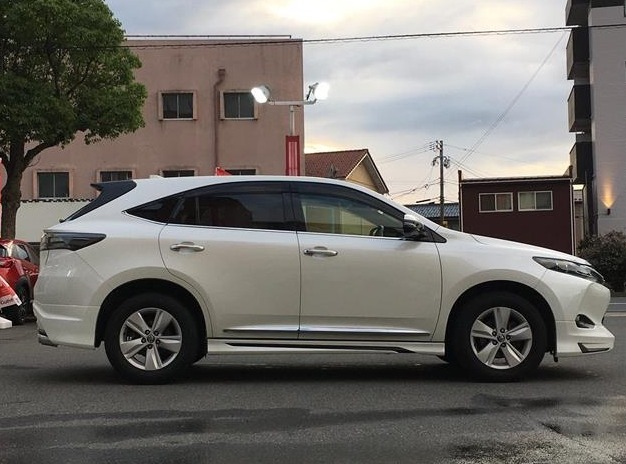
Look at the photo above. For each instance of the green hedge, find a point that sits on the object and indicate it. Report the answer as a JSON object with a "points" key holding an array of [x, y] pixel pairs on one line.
{"points": [[607, 253]]}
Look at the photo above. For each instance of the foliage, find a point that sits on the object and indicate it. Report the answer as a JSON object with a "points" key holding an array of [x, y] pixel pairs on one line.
{"points": [[607, 253], [63, 70]]}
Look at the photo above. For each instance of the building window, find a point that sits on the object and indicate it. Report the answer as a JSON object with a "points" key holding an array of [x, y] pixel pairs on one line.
{"points": [[492, 202], [535, 201], [53, 184], [238, 105], [241, 172], [109, 176], [178, 173], [177, 105]]}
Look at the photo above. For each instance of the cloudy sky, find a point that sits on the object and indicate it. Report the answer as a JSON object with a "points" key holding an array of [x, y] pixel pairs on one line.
{"points": [[498, 101]]}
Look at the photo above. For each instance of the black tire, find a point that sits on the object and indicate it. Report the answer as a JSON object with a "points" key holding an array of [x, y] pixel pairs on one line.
{"points": [[17, 314], [499, 337], [165, 347]]}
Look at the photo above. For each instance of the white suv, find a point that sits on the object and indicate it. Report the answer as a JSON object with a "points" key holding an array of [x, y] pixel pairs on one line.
{"points": [[165, 270]]}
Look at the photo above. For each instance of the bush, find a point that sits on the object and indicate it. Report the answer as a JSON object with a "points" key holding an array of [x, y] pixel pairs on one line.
{"points": [[607, 253]]}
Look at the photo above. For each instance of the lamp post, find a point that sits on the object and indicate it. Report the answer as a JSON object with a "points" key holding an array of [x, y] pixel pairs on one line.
{"points": [[318, 91]]}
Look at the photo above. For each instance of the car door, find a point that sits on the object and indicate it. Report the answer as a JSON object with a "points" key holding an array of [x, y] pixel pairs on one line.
{"points": [[233, 244], [361, 279]]}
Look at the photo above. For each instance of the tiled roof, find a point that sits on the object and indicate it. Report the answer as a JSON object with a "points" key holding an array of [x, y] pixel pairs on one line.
{"points": [[334, 164], [432, 210]]}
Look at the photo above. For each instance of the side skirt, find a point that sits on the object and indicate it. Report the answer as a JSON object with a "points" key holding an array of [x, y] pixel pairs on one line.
{"points": [[256, 346]]}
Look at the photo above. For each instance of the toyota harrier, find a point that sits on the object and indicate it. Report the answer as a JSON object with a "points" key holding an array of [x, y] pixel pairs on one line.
{"points": [[163, 271]]}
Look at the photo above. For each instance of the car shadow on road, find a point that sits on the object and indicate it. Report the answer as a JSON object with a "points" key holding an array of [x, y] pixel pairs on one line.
{"points": [[275, 370]]}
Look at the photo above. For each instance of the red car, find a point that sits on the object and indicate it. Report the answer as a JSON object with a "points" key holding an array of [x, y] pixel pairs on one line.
{"points": [[19, 266]]}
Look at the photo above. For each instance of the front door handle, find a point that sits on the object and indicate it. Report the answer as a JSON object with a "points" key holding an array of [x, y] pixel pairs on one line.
{"points": [[186, 246], [320, 251]]}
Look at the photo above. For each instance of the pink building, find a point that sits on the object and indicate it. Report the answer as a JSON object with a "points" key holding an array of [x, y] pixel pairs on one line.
{"points": [[199, 115]]}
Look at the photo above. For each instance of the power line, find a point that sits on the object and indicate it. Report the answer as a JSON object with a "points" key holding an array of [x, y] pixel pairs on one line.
{"points": [[286, 39], [398, 157], [502, 115]]}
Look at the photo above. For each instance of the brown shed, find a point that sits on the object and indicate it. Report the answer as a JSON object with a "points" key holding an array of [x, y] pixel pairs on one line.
{"points": [[533, 210]]}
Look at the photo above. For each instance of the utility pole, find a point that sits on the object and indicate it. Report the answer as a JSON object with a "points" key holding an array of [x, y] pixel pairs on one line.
{"points": [[444, 162]]}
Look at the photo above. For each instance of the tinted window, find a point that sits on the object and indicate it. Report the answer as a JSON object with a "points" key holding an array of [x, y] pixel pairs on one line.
{"points": [[241, 206], [159, 210], [338, 210], [335, 215], [109, 191]]}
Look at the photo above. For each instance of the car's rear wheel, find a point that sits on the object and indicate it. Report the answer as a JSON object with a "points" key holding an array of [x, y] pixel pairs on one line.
{"points": [[499, 336], [17, 313], [151, 339]]}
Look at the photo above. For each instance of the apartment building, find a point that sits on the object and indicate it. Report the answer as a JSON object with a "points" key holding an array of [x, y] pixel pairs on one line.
{"points": [[199, 115], [596, 63]]}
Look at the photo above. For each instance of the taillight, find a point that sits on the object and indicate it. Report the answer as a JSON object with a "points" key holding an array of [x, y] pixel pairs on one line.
{"points": [[68, 240]]}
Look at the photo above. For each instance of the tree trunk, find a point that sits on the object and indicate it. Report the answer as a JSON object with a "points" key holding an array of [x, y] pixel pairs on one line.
{"points": [[11, 193]]}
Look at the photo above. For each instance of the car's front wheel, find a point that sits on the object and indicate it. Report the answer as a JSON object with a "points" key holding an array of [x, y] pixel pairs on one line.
{"points": [[151, 339], [499, 336]]}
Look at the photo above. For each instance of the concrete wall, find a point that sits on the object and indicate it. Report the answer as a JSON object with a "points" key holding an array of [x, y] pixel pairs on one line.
{"points": [[34, 217], [608, 103]]}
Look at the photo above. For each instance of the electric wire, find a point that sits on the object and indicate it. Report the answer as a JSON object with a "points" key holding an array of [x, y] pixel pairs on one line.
{"points": [[286, 39]]}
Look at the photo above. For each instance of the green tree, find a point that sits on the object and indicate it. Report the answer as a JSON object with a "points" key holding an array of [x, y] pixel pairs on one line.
{"points": [[63, 70], [607, 254]]}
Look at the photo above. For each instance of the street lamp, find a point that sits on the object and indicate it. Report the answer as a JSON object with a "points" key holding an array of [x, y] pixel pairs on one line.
{"points": [[318, 91]]}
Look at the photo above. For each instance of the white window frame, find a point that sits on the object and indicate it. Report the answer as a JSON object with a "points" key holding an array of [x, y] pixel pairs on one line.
{"points": [[223, 106], [100, 171], [535, 192], [55, 171], [495, 202], [194, 172], [194, 102]]}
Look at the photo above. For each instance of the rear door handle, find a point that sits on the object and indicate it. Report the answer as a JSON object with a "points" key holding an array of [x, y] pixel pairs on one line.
{"points": [[186, 246], [320, 251]]}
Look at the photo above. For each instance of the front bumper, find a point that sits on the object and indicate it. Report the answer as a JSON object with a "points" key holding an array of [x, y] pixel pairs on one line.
{"points": [[575, 341]]}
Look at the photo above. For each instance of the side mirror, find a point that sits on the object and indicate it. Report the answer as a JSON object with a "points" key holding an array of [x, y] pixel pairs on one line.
{"points": [[413, 229]]}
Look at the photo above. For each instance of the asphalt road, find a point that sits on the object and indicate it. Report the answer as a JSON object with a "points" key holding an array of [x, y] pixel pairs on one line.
{"points": [[62, 405]]}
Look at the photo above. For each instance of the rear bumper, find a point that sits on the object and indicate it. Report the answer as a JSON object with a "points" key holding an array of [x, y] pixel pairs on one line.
{"points": [[66, 325], [42, 337]]}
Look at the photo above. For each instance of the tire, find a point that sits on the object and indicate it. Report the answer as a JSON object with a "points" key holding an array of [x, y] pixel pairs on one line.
{"points": [[17, 314], [151, 339], [499, 337]]}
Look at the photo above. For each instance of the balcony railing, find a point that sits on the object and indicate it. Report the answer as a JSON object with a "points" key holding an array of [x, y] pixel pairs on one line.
{"points": [[578, 53], [579, 108], [577, 12], [581, 159]]}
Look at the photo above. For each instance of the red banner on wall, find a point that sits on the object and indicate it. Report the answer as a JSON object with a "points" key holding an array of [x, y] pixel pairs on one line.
{"points": [[292, 154]]}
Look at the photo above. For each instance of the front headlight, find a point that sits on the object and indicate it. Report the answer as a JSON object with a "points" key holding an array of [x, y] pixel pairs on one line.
{"points": [[569, 267]]}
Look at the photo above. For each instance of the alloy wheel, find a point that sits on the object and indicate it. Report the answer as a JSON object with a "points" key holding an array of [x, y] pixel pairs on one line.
{"points": [[501, 338], [150, 339]]}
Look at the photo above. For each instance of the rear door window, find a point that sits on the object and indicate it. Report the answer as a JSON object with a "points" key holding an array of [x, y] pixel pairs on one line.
{"points": [[249, 205]]}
